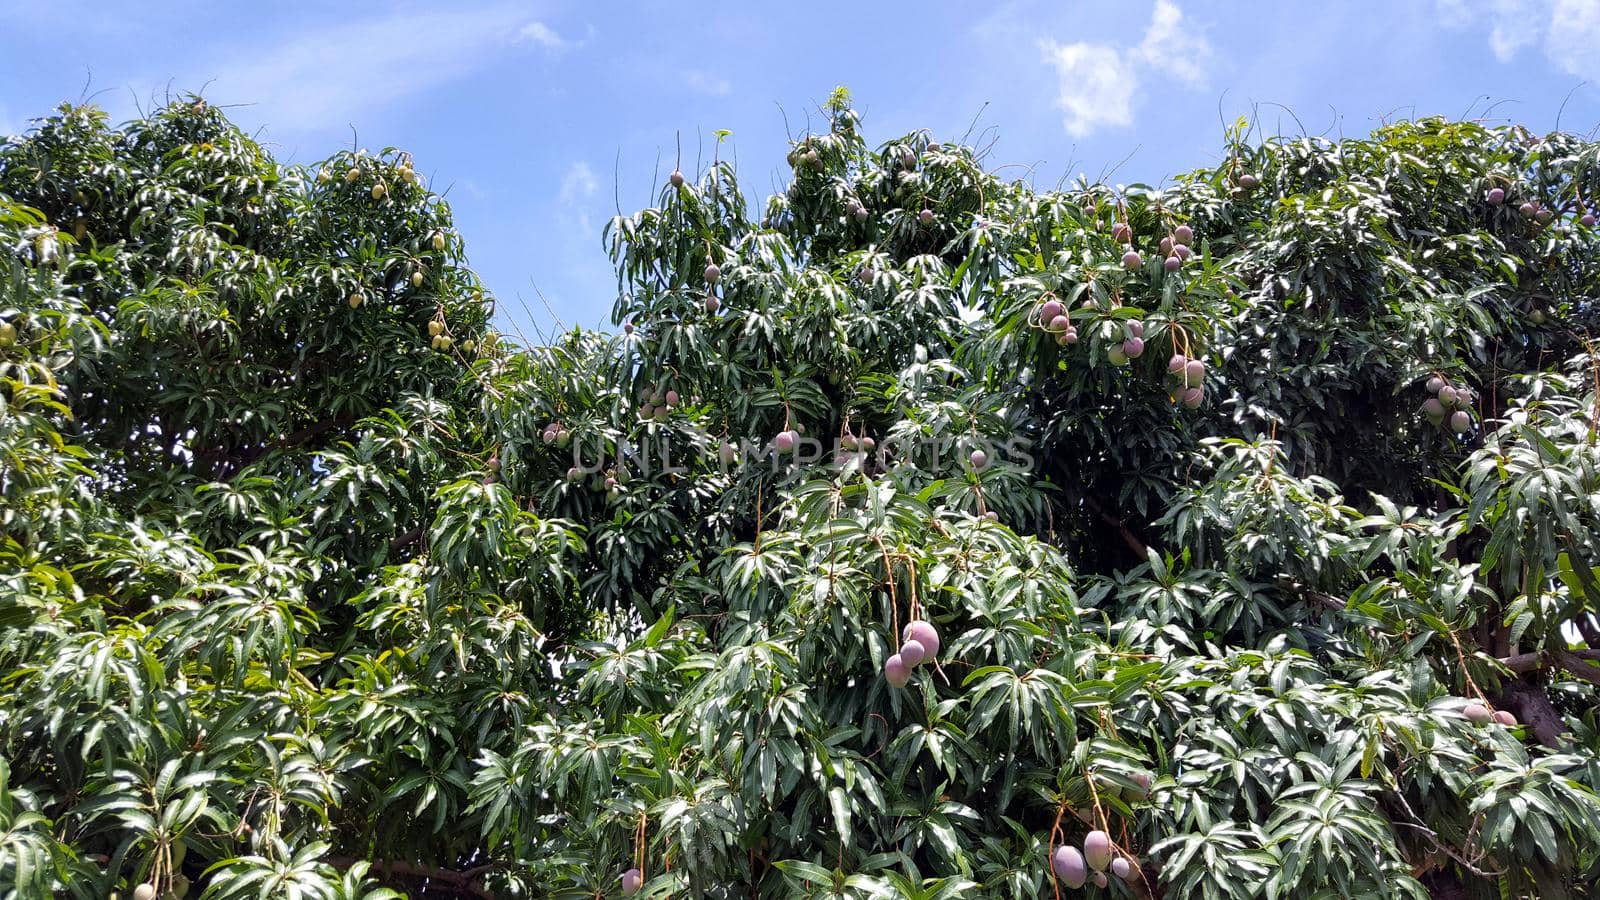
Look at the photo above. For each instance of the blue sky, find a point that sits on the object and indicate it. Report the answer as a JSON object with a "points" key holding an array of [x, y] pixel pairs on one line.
{"points": [[542, 119]]}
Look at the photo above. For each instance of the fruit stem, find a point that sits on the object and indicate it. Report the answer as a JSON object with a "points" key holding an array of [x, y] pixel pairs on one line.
{"points": [[1055, 836], [894, 602]]}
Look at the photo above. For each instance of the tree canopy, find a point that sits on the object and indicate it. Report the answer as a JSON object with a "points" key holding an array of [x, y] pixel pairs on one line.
{"points": [[916, 533]]}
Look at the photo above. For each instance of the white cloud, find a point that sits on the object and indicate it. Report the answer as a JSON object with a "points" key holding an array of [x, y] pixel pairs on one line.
{"points": [[707, 84], [1515, 25], [578, 187], [1097, 84], [330, 75], [541, 34], [1173, 46], [1574, 42], [578, 184], [1566, 31]]}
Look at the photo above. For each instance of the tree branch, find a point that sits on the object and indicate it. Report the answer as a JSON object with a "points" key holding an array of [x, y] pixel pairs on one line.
{"points": [[1327, 600], [461, 882], [1523, 663], [1577, 663], [1127, 535], [1586, 627], [236, 458], [402, 541], [1534, 709]]}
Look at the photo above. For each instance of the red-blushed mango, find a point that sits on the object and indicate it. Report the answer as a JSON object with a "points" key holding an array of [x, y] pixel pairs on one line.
{"points": [[1100, 879], [913, 653], [1049, 309], [1183, 234], [923, 633], [633, 878], [1121, 868], [1097, 850], [895, 671], [1069, 866], [1132, 260], [1476, 713], [1505, 718]]}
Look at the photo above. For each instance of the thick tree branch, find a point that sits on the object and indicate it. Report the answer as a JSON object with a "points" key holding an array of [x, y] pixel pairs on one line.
{"points": [[234, 459], [1586, 627], [1523, 663], [462, 882], [297, 438], [1328, 601], [1577, 663], [402, 541], [1127, 535], [1534, 709]]}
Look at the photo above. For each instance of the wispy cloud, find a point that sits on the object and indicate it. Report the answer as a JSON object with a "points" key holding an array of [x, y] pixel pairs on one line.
{"points": [[1567, 31], [707, 83], [332, 74], [578, 187], [1173, 46], [1574, 42], [541, 34], [1098, 84]]}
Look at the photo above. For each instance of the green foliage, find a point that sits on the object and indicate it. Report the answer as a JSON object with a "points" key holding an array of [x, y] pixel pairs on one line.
{"points": [[311, 584]]}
